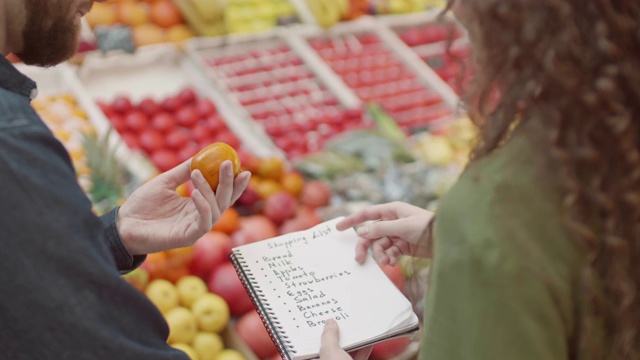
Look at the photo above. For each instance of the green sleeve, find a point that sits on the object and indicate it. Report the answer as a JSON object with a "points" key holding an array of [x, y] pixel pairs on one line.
{"points": [[504, 271]]}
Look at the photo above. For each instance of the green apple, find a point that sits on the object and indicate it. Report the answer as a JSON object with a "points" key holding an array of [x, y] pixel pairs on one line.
{"points": [[182, 325], [207, 345], [211, 312], [139, 278], [189, 289], [163, 294]]}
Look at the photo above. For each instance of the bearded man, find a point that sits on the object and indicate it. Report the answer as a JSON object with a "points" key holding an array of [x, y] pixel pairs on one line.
{"points": [[62, 295]]}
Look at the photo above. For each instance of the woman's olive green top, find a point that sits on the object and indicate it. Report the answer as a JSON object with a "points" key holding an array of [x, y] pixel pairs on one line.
{"points": [[504, 282]]}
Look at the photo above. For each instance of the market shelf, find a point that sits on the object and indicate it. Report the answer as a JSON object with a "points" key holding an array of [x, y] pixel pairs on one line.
{"points": [[61, 83], [295, 100], [372, 61], [162, 76], [439, 41]]}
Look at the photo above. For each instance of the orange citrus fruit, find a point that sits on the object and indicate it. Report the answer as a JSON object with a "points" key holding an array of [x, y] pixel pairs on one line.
{"points": [[267, 187], [229, 222], [271, 168], [209, 159], [292, 183]]}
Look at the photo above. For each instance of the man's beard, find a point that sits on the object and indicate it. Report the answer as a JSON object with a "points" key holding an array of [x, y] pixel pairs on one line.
{"points": [[50, 35]]}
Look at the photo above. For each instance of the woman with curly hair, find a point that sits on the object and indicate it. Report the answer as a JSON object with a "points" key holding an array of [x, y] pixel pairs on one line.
{"points": [[537, 247]]}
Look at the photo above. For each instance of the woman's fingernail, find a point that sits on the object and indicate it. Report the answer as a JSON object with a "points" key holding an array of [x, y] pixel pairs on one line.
{"points": [[363, 230], [229, 168]]}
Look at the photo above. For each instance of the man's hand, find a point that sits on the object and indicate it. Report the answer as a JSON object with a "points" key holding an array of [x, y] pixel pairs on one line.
{"points": [[156, 218]]}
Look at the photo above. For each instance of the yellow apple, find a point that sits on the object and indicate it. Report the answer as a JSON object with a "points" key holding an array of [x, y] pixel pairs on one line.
{"points": [[182, 325], [163, 294], [207, 345], [230, 354], [191, 353], [211, 312], [190, 288]]}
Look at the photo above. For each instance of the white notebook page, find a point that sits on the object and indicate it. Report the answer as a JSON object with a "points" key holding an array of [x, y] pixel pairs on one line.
{"points": [[311, 276]]}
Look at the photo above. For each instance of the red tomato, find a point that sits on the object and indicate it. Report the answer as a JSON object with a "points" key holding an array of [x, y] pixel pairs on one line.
{"points": [[211, 250], [122, 105], [152, 140], [149, 106], [106, 108], [177, 139], [188, 151], [224, 281], [205, 108], [187, 95], [254, 334], [163, 122], [229, 138], [117, 121], [187, 116], [389, 349], [165, 160], [201, 132], [394, 273], [131, 140], [136, 121], [214, 123], [171, 104]]}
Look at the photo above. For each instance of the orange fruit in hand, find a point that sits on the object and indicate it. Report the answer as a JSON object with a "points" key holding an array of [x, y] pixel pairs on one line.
{"points": [[209, 159]]}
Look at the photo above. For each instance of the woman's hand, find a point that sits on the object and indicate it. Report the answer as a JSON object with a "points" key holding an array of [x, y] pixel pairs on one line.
{"points": [[398, 229], [156, 218], [330, 345]]}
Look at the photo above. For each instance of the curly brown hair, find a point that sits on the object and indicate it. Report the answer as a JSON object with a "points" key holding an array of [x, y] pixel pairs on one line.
{"points": [[573, 66]]}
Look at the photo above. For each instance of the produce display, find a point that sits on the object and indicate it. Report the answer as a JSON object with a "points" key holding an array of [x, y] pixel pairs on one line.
{"points": [[69, 123], [283, 95], [452, 62], [377, 75], [329, 12], [100, 175], [171, 130], [151, 21], [402, 142], [247, 16]]}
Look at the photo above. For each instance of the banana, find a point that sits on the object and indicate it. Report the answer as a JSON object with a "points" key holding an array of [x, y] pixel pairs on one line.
{"points": [[325, 12], [208, 10], [343, 6]]}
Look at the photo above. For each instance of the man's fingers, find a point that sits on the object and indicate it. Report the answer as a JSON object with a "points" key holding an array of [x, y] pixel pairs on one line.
{"points": [[240, 185], [205, 190], [176, 176], [225, 186], [205, 222]]}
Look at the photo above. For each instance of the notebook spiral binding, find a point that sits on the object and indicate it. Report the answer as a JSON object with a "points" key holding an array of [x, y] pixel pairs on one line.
{"points": [[276, 331]]}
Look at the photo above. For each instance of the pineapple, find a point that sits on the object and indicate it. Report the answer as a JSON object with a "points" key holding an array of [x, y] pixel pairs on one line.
{"points": [[108, 178]]}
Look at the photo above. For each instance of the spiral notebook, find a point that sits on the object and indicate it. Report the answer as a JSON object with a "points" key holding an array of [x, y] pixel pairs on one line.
{"points": [[299, 280]]}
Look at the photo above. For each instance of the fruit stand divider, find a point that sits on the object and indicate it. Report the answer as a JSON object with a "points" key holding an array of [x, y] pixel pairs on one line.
{"points": [[158, 71], [199, 48], [63, 78], [400, 22], [306, 16]]}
